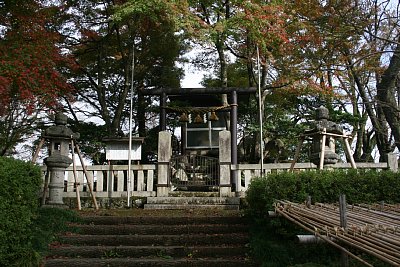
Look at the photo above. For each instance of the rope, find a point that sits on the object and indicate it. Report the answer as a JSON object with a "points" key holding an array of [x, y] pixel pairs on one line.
{"points": [[195, 109]]}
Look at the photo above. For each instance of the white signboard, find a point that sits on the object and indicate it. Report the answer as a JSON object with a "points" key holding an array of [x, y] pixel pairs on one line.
{"points": [[120, 151]]}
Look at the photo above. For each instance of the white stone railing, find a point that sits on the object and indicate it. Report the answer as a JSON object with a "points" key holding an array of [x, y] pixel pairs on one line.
{"points": [[110, 181], [246, 172]]}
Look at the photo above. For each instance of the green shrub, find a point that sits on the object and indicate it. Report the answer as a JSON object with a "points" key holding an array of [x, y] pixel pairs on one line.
{"points": [[323, 186], [48, 224], [19, 187], [272, 238]]}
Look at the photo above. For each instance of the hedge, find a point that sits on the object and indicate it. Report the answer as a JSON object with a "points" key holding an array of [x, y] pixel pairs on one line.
{"points": [[272, 239], [19, 186], [324, 186]]}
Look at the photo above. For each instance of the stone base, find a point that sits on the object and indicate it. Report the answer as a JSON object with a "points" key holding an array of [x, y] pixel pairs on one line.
{"points": [[57, 206]]}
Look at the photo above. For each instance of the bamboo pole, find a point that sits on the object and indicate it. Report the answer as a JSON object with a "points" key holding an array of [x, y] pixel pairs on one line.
{"points": [[326, 239], [372, 233]]}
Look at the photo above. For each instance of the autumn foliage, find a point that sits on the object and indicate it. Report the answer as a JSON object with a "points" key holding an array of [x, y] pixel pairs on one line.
{"points": [[30, 58]]}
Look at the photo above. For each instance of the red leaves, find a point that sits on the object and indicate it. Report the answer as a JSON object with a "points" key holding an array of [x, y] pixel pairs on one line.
{"points": [[29, 60]]}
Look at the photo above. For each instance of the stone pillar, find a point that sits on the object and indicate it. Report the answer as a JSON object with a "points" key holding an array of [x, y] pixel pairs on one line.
{"points": [[233, 127], [163, 112], [225, 164], [58, 160], [164, 157], [392, 162]]}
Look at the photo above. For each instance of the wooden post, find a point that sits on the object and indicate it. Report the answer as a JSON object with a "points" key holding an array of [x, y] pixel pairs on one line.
{"points": [[78, 198], [296, 155], [344, 259], [348, 152], [42, 140], [86, 174], [45, 186]]}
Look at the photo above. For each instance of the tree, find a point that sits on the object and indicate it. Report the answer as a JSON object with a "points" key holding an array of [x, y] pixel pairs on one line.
{"points": [[104, 46], [30, 60]]}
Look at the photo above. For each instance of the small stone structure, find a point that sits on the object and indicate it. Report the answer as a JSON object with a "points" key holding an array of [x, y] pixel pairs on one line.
{"points": [[324, 127], [57, 162]]}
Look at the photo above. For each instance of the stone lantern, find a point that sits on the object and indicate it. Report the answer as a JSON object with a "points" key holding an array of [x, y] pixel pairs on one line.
{"points": [[323, 138], [58, 161]]}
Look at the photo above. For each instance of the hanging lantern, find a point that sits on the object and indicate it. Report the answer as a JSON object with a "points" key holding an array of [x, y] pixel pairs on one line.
{"points": [[198, 119], [184, 117], [213, 117]]}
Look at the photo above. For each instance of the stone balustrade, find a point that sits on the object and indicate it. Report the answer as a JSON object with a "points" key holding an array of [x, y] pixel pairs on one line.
{"points": [[110, 181]]}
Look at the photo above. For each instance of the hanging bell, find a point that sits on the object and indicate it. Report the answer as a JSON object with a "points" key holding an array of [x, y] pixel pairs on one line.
{"points": [[184, 117], [213, 117], [198, 119]]}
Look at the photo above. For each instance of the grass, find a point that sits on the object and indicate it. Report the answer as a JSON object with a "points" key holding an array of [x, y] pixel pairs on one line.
{"points": [[48, 224]]}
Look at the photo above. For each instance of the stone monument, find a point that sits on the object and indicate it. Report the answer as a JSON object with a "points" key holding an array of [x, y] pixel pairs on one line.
{"points": [[324, 131], [58, 161]]}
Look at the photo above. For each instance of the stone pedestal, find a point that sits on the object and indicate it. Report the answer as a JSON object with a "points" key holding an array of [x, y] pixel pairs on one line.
{"points": [[57, 164]]}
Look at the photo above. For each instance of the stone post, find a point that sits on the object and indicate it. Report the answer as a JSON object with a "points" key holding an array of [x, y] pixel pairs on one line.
{"points": [[164, 157], [392, 162], [58, 160], [225, 164]]}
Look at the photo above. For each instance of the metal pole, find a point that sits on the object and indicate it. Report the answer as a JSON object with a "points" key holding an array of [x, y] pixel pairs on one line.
{"points": [[260, 113], [129, 182]]}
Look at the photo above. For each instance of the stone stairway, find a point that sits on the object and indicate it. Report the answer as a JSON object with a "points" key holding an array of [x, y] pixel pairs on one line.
{"points": [[193, 200], [177, 240]]}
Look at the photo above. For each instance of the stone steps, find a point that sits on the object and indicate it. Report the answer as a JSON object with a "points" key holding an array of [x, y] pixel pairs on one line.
{"points": [[176, 240], [193, 202], [154, 230], [148, 251], [162, 262]]}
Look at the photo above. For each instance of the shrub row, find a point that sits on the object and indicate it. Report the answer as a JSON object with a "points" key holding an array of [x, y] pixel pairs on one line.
{"points": [[324, 186], [19, 186], [273, 238]]}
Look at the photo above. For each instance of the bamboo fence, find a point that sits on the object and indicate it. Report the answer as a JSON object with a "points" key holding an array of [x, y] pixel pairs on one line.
{"points": [[373, 229]]}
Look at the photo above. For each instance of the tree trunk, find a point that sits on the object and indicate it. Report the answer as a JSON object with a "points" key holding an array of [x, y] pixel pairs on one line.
{"points": [[386, 94], [381, 133]]}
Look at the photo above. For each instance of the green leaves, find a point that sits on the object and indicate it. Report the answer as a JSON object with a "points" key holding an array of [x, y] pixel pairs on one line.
{"points": [[359, 186], [19, 187]]}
